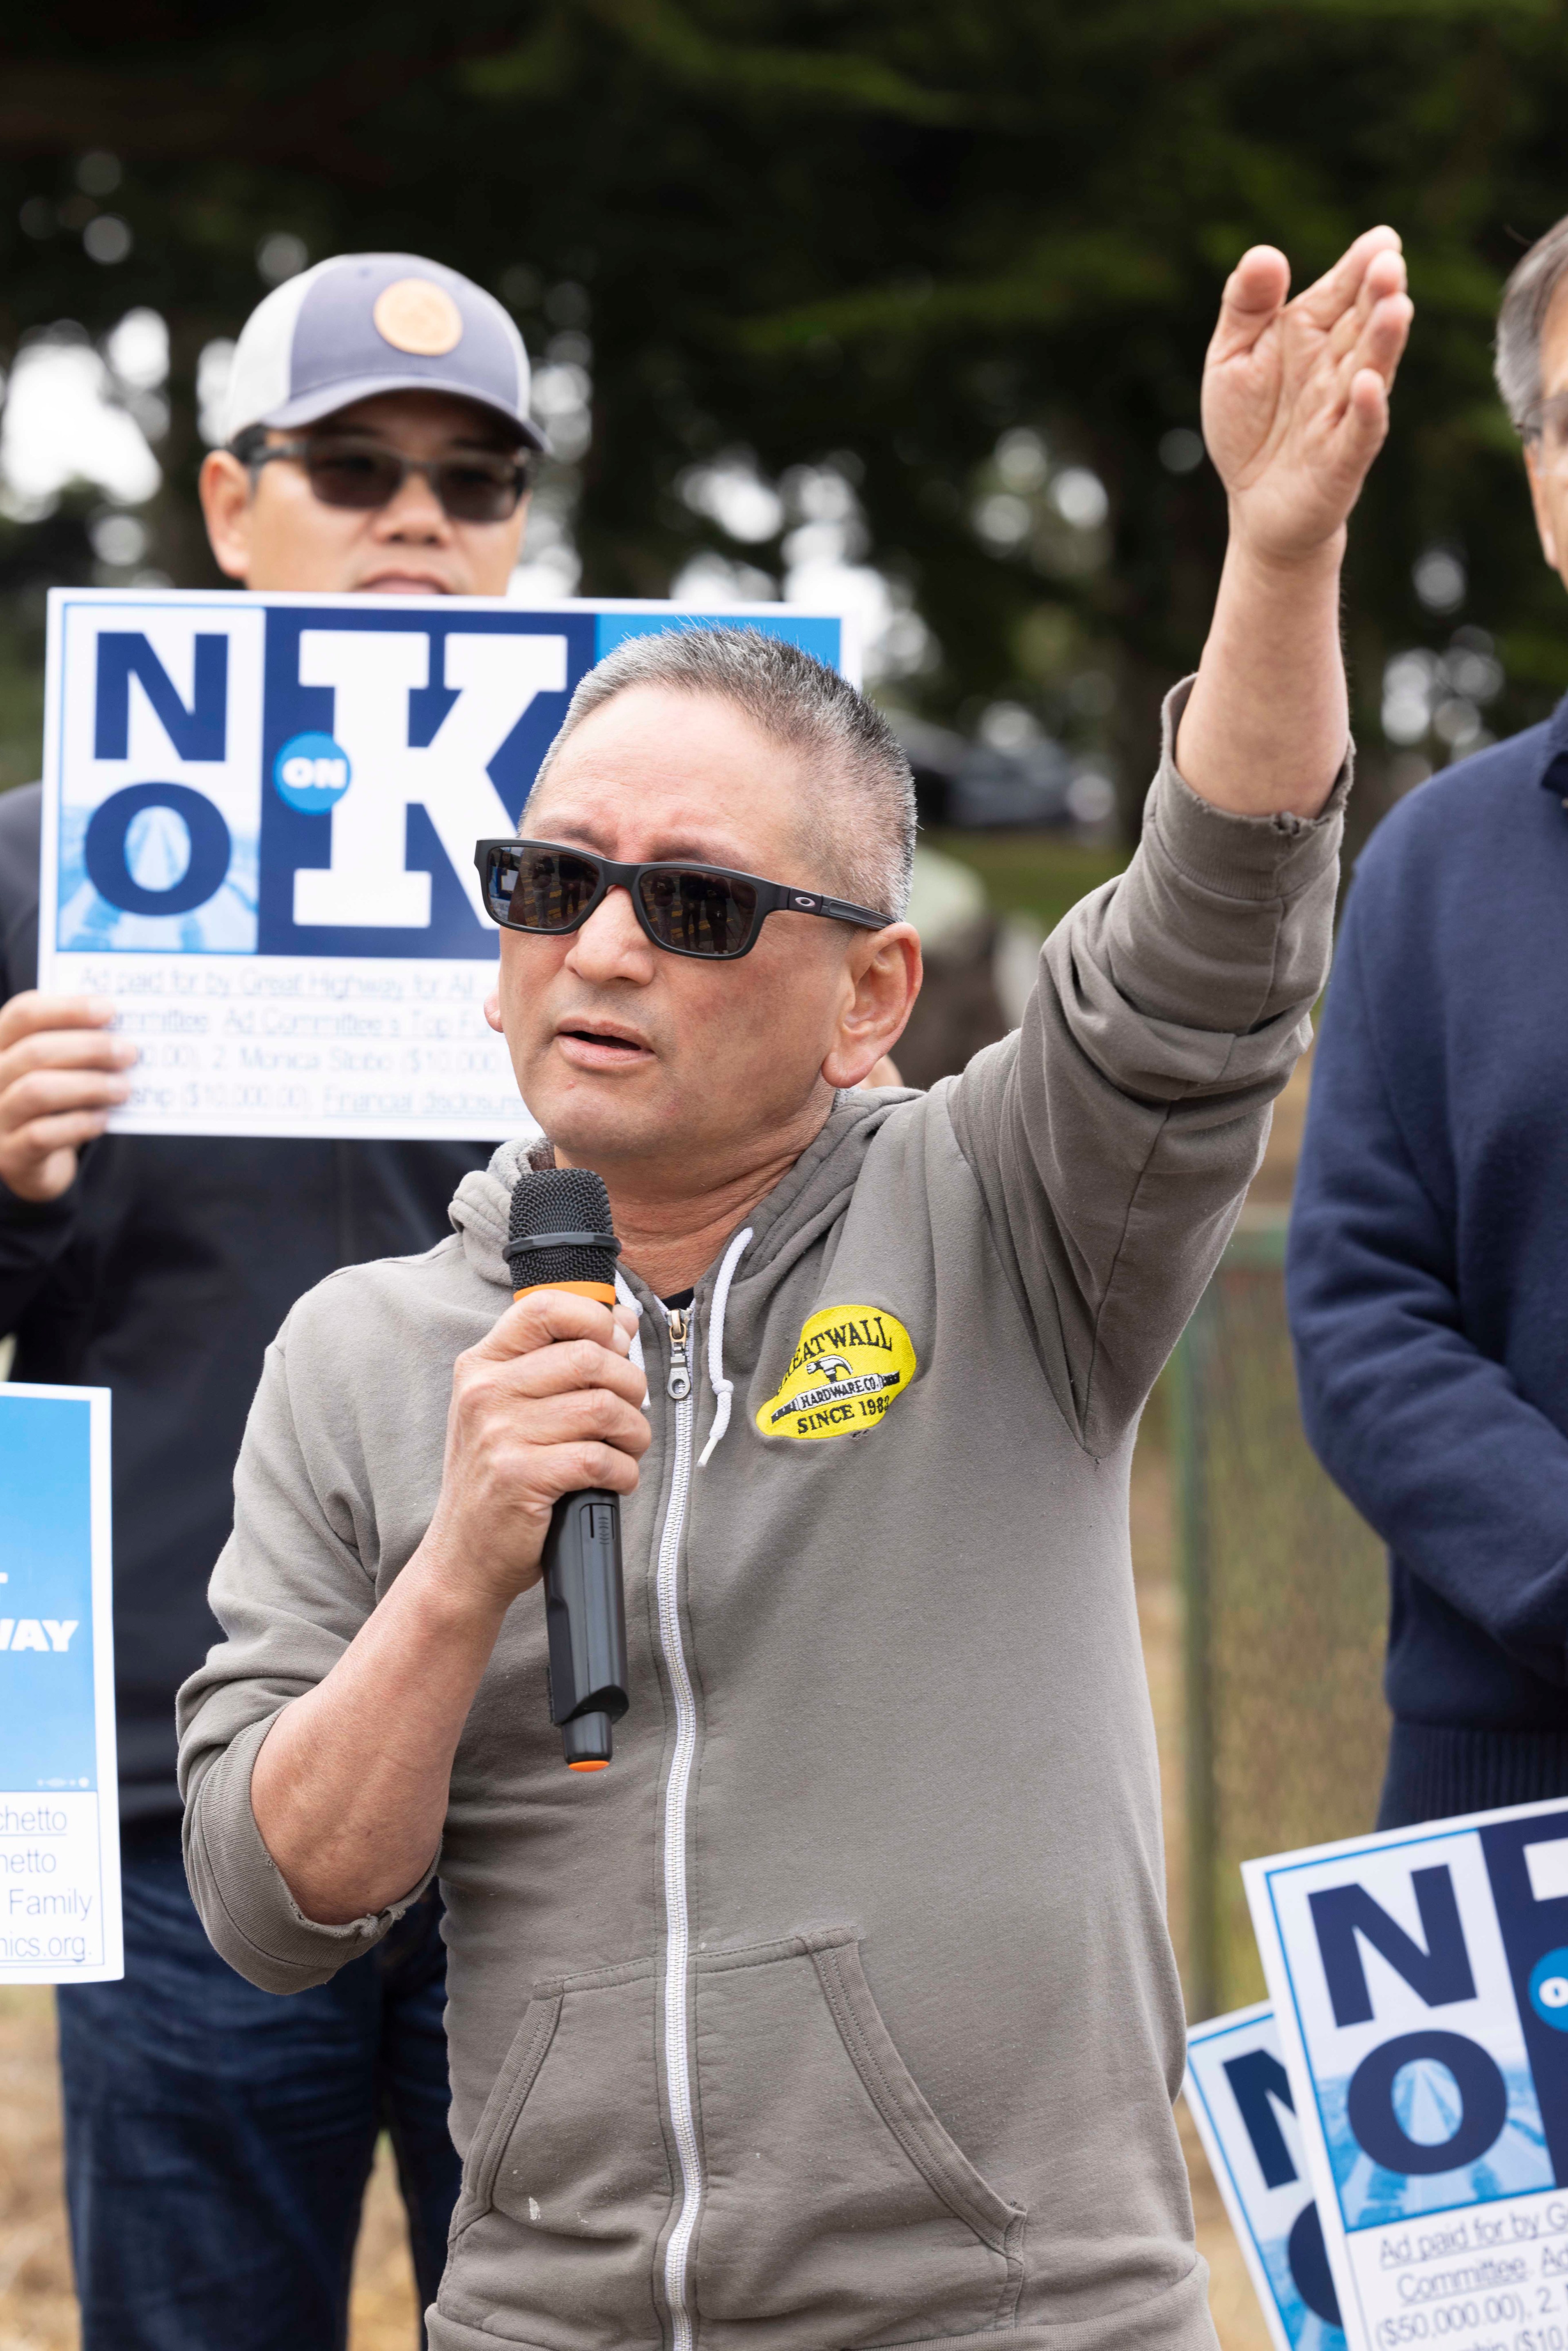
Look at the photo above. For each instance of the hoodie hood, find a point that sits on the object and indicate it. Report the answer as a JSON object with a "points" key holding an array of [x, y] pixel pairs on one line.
{"points": [[481, 1208], [801, 1205]]}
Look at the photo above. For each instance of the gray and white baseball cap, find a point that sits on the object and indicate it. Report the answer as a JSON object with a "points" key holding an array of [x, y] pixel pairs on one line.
{"points": [[366, 322]]}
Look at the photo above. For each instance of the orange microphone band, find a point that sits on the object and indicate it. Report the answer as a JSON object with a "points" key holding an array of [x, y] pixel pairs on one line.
{"points": [[603, 1291]]}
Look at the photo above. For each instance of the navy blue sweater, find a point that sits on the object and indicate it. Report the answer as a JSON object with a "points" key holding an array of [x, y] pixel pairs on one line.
{"points": [[1428, 1267], [163, 1274]]}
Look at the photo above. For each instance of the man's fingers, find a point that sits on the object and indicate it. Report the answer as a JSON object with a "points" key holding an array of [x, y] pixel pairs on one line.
{"points": [[67, 1130], [1361, 431], [1366, 415], [574, 1466], [570, 1364], [542, 1316], [587, 1415], [1254, 294], [1337, 290], [44, 1092], [30, 1011], [1381, 341], [1259, 280], [1385, 276], [65, 1049]]}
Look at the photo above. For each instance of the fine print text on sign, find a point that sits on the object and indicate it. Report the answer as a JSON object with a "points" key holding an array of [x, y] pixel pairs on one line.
{"points": [[59, 1822], [1420, 1987], [1241, 2098], [259, 820]]}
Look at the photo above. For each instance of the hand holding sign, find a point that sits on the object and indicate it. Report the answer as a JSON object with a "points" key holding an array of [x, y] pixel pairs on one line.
{"points": [[62, 1073]]}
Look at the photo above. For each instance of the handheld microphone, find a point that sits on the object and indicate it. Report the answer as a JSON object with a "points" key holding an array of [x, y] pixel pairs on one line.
{"points": [[560, 1237]]}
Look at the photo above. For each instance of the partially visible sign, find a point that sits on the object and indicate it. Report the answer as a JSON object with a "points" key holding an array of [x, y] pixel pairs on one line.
{"points": [[1420, 1985], [1241, 2098], [259, 820], [59, 1820]]}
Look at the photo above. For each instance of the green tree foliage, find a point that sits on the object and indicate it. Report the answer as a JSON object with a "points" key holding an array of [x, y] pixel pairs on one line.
{"points": [[885, 232]]}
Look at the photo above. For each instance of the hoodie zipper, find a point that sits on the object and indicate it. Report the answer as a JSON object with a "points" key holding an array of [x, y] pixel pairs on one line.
{"points": [[677, 1917]]}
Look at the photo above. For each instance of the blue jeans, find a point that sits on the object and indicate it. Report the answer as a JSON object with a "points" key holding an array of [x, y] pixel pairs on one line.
{"points": [[218, 2140]]}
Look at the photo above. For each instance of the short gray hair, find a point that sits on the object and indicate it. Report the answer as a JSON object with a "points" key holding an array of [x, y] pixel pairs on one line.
{"points": [[861, 820], [1526, 299]]}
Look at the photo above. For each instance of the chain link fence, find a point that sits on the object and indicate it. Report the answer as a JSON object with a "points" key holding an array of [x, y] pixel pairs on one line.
{"points": [[1286, 1602]]}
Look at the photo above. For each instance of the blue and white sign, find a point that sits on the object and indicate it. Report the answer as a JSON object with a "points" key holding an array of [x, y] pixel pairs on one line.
{"points": [[259, 821], [1420, 1985], [1239, 2096], [59, 1815]]}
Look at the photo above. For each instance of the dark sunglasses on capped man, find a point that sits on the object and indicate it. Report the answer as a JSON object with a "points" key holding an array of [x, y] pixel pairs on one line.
{"points": [[476, 486], [688, 910]]}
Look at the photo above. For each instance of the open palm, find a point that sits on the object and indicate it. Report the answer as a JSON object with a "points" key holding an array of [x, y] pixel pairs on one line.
{"points": [[1295, 394]]}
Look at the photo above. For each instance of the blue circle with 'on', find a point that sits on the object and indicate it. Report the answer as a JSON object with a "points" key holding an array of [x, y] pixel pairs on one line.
{"points": [[1549, 1990], [312, 773]]}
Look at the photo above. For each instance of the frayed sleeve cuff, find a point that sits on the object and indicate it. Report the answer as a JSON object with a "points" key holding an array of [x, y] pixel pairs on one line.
{"points": [[251, 1918], [1239, 856]]}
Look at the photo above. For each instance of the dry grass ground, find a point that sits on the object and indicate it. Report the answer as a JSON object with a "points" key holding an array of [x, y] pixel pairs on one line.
{"points": [[37, 2309]]}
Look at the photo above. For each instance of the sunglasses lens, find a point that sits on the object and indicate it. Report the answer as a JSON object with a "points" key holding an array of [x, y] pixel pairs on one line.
{"points": [[539, 889], [699, 914], [359, 478], [476, 490], [471, 489]]}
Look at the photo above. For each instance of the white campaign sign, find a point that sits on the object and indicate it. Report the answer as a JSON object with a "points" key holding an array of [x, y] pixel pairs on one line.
{"points": [[1420, 1985], [59, 1822], [259, 831]]}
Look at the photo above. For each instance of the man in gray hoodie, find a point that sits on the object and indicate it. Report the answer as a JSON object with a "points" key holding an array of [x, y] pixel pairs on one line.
{"points": [[839, 2011]]}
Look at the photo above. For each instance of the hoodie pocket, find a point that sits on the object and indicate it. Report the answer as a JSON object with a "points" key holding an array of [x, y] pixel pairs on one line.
{"points": [[837, 2209], [567, 2185]]}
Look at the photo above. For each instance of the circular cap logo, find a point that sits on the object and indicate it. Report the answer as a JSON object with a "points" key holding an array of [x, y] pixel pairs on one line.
{"points": [[312, 773], [412, 314], [1549, 1990]]}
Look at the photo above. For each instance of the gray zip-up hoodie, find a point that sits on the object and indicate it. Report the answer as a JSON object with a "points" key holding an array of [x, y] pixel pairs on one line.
{"points": [[840, 2009]]}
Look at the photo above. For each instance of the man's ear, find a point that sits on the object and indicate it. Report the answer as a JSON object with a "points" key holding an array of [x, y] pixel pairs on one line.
{"points": [[1538, 499], [883, 974], [227, 491]]}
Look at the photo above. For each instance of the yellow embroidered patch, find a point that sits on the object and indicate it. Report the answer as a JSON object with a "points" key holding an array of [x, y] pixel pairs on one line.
{"points": [[852, 1363]]}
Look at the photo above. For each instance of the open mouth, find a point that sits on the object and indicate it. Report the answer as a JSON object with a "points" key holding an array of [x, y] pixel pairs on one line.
{"points": [[599, 1048]]}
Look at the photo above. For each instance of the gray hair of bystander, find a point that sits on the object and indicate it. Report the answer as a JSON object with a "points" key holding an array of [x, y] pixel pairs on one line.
{"points": [[1526, 299], [859, 822]]}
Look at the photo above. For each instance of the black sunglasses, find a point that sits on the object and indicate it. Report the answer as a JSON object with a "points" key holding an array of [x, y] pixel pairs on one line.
{"points": [[481, 486], [690, 910]]}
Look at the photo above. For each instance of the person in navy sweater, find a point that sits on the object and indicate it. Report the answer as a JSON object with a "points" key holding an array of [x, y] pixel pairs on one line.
{"points": [[1428, 1269]]}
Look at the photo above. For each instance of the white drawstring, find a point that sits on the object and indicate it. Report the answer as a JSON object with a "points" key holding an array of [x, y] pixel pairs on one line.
{"points": [[626, 1296], [723, 1389]]}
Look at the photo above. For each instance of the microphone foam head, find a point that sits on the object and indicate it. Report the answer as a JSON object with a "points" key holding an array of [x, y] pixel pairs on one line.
{"points": [[566, 1200]]}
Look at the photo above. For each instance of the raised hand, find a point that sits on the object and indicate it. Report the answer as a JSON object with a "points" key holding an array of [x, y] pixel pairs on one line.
{"points": [[1295, 394]]}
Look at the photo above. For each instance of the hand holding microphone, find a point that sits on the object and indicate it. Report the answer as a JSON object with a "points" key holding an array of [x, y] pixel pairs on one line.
{"points": [[354, 1781], [546, 1418], [560, 1237]]}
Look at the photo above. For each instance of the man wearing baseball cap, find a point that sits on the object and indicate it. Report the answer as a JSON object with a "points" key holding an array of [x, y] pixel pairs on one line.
{"points": [[218, 2140]]}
